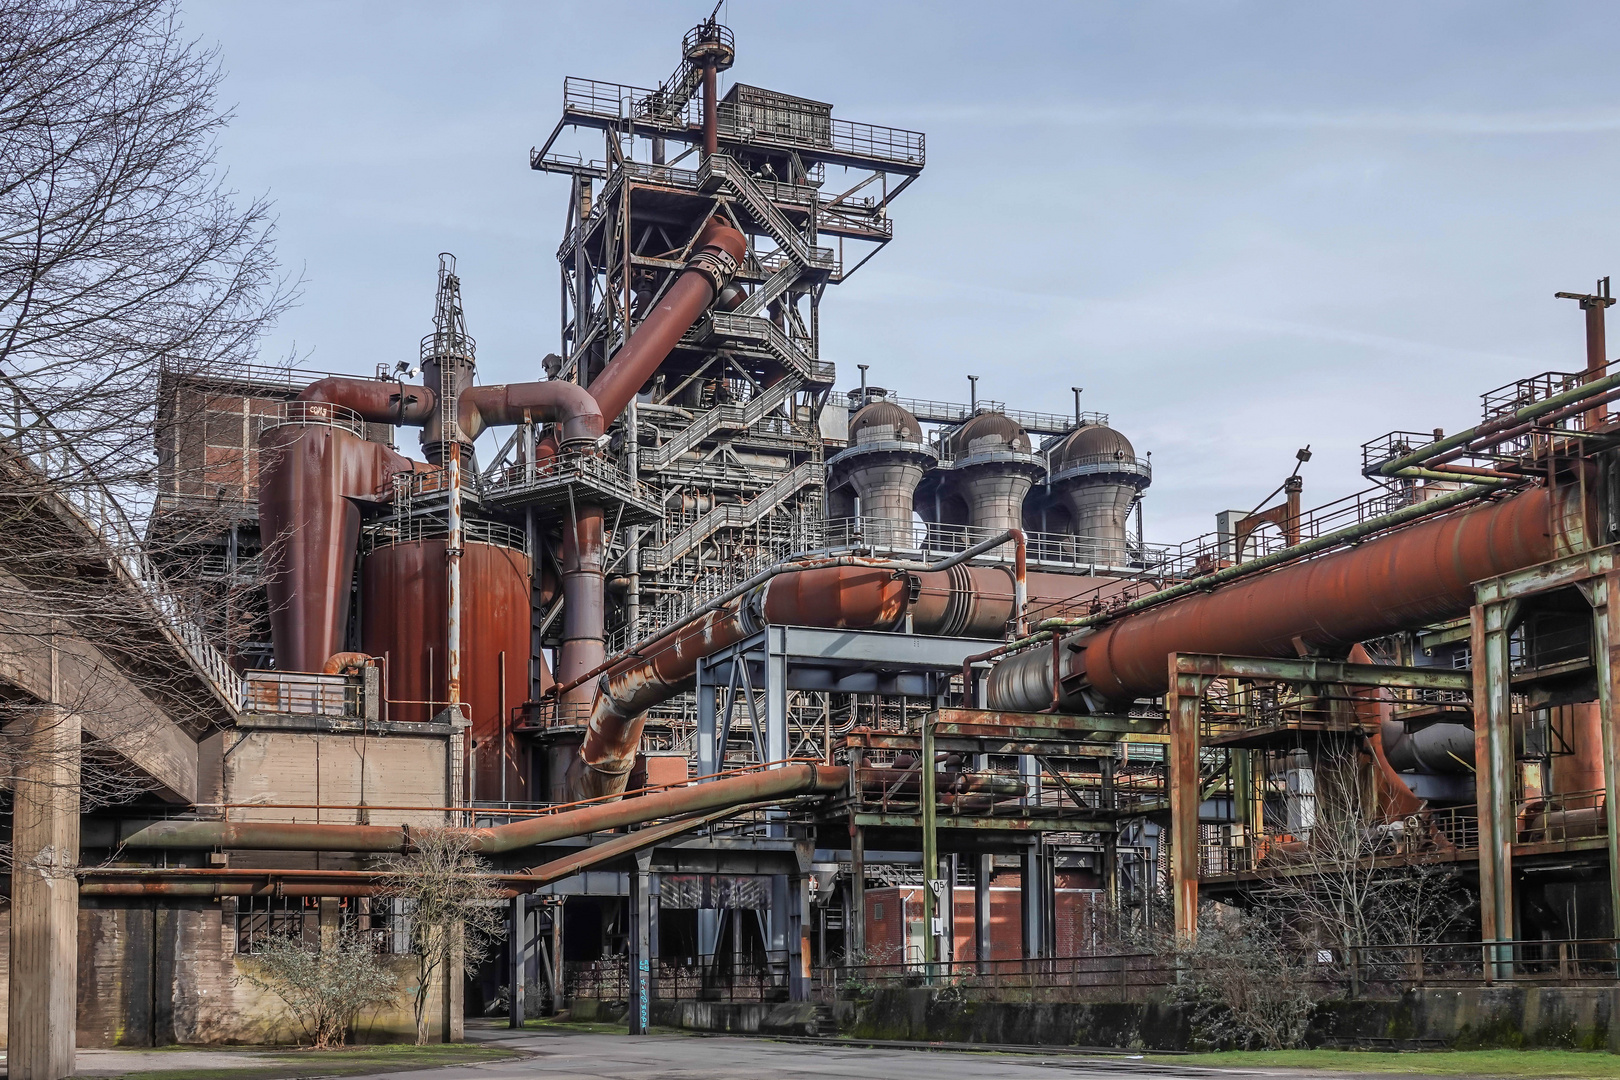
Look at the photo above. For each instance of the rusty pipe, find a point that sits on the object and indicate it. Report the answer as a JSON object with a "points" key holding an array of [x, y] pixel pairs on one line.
{"points": [[566, 404], [719, 251], [767, 785], [584, 620], [309, 478], [1420, 574], [375, 400], [1497, 429], [857, 597], [339, 662], [838, 592]]}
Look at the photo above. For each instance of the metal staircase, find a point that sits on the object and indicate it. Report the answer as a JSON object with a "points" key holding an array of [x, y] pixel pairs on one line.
{"points": [[720, 168], [752, 332], [735, 515], [723, 418]]}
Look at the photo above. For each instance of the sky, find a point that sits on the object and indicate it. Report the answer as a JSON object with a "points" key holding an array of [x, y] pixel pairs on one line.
{"points": [[1241, 227]]}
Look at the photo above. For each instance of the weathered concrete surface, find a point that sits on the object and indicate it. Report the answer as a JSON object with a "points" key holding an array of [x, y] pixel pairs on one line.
{"points": [[1582, 1018], [740, 1018]]}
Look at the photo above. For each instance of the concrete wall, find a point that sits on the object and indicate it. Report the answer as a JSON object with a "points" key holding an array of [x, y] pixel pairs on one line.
{"points": [[1465, 1018], [160, 974]]}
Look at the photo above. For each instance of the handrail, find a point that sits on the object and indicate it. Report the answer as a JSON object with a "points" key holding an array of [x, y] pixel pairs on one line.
{"points": [[102, 515]]}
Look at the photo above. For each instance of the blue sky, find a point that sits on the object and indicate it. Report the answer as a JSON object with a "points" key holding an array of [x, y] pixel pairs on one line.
{"points": [[1242, 227]]}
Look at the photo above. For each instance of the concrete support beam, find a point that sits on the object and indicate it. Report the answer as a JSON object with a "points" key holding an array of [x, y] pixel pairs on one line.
{"points": [[43, 993], [1491, 625], [517, 944], [641, 946]]}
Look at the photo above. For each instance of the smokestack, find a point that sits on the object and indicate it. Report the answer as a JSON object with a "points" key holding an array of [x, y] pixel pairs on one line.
{"points": [[1096, 472], [884, 463]]}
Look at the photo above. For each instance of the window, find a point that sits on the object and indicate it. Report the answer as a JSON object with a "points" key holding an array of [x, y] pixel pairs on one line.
{"points": [[260, 918], [877, 912], [380, 920]]}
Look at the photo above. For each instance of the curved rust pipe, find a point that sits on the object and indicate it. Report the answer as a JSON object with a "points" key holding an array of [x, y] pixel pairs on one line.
{"points": [[569, 406], [1422, 573], [858, 597], [377, 401], [339, 662], [309, 475]]}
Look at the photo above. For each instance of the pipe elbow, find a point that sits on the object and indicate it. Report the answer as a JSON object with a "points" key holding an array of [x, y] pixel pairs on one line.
{"points": [[571, 407], [374, 400], [340, 663]]}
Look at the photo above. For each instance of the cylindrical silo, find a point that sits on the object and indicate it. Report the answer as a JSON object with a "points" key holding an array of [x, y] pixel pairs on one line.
{"points": [[993, 467], [1097, 474], [884, 462], [403, 595]]}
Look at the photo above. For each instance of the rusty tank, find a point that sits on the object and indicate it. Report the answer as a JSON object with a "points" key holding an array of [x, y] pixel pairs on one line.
{"points": [[403, 593]]}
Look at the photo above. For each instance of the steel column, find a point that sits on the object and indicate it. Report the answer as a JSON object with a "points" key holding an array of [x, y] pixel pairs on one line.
{"points": [[708, 754], [855, 932], [930, 849], [981, 911], [1491, 625], [1181, 707], [1607, 641]]}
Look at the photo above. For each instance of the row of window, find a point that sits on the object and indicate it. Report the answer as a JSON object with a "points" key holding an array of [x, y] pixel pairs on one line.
{"points": [[259, 919]]}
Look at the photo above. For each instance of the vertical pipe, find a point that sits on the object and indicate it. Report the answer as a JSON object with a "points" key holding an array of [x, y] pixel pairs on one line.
{"points": [[855, 931], [1596, 347], [981, 911], [452, 555], [711, 116], [930, 850], [583, 649], [973, 394], [501, 728]]}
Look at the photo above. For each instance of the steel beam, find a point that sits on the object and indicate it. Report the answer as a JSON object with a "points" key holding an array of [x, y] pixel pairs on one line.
{"points": [[1181, 707]]}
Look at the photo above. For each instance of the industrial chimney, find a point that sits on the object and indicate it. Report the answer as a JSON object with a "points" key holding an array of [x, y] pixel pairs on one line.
{"points": [[1096, 472], [993, 466], [884, 463]]}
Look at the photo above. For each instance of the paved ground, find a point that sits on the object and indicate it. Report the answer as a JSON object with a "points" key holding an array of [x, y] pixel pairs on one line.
{"points": [[568, 1056]]}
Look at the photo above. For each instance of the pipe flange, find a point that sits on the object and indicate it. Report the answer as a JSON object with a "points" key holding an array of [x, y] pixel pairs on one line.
{"points": [[715, 264]]}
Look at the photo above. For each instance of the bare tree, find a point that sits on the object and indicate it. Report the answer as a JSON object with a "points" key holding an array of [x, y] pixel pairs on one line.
{"points": [[122, 250], [326, 986], [451, 905], [1353, 881]]}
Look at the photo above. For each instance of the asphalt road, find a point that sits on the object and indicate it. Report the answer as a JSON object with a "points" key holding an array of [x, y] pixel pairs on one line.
{"points": [[569, 1056]]}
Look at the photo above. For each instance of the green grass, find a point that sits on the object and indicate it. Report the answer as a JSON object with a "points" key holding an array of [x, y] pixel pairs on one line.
{"points": [[1529, 1064], [290, 1063]]}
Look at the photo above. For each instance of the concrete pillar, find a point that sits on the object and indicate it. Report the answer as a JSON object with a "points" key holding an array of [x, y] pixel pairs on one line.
{"points": [[43, 997], [640, 1016], [1032, 886], [517, 940]]}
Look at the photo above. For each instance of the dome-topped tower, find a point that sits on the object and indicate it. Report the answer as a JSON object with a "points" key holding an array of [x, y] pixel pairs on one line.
{"points": [[1096, 472], [994, 466], [884, 463]]}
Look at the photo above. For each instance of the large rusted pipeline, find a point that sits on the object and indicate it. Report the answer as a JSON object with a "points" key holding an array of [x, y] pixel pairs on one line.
{"points": [[966, 601], [310, 475], [1420, 574], [719, 250], [765, 785]]}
